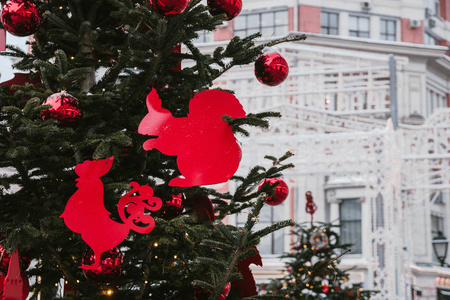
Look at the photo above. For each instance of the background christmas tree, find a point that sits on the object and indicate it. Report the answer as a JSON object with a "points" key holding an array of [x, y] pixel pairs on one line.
{"points": [[313, 271], [109, 55]]}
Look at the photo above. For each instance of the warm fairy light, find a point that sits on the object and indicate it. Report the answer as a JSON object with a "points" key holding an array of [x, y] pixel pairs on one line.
{"points": [[146, 282], [78, 281], [175, 256], [324, 230], [109, 292], [312, 248], [155, 244], [150, 294], [135, 68], [66, 282], [60, 7], [56, 284], [304, 246], [186, 234], [156, 256], [307, 284]]}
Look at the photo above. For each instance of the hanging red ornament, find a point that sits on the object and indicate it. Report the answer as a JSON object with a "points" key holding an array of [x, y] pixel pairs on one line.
{"points": [[5, 259], [200, 206], [20, 17], [310, 207], [64, 107], [281, 191], [231, 8], [172, 207], [109, 267], [271, 68], [169, 7], [325, 289]]}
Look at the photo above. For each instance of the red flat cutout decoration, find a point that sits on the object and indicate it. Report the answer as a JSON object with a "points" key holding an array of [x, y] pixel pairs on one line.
{"points": [[247, 284], [85, 212], [16, 282], [206, 149]]}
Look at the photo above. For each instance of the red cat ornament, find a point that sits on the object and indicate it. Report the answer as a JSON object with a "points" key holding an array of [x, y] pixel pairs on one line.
{"points": [[85, 212], [206, 149]]}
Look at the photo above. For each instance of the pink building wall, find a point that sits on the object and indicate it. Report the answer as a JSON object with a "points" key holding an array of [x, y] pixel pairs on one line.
{"points": [[445, 9], [2, 40], [309, 18], [411, 35], [224, 33]]}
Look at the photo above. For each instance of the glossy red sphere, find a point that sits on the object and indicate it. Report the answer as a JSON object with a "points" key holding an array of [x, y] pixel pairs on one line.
{"points": [[231, 8], [281, 191], [169, 7], [173, 207], [271, 69], [65, 108], [20, 17], [110, 267], [5, 257]]}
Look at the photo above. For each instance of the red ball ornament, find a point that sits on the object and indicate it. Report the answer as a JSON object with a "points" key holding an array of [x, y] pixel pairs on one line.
{"points": [[169, 7], [110, 266], [65, 108], [281, 191], [271, 69], [231, 8], [173, 207], [5, 258], [20, 17]]}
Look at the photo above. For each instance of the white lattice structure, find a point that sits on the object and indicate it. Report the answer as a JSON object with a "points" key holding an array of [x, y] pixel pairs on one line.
{"points": [[335, 106]]}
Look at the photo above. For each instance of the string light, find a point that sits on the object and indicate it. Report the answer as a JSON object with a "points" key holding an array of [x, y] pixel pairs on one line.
{"points": [[156, 257], [72, 57], [146, 282], [56, 284], [175, 256], [109, 292], [155, 244]]}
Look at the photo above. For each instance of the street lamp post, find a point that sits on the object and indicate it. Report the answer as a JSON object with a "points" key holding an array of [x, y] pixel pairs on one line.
{"points": [[440, 246]]}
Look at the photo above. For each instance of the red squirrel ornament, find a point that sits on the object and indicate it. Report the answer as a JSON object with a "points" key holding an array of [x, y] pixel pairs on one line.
{"points": [[85, 212], [206, 148]]}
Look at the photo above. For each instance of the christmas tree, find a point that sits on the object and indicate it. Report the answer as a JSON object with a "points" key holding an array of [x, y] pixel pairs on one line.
{"points": [[312, 269], [104, 171]]}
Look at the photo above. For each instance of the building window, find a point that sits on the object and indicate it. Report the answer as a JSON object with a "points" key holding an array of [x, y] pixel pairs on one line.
{"points": [[329, 23], [388, 30], [272, 23], [204, 37], [274, 242], [359, 26], [350, 217], [437, 225]]}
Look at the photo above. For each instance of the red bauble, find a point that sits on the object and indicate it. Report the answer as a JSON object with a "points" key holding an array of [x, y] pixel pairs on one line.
{"points": [[169, 7], [65, 108], [110, 266], [325, 289], [271, 69], [20, 17], [173, 207], [5, 258], [281, 191], [229, 7]]}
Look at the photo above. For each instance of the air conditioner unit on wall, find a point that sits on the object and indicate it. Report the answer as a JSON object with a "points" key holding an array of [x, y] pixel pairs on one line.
{"points": [[414, 23], [431, 23], [366, 5]]}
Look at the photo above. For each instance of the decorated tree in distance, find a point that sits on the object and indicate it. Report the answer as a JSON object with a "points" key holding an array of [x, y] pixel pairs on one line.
{"points": [[107, 150], [313, 271]]}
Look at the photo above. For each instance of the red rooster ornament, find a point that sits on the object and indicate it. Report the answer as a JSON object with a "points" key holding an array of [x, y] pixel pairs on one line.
{"points": [[206, 149], [85, 212]]}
